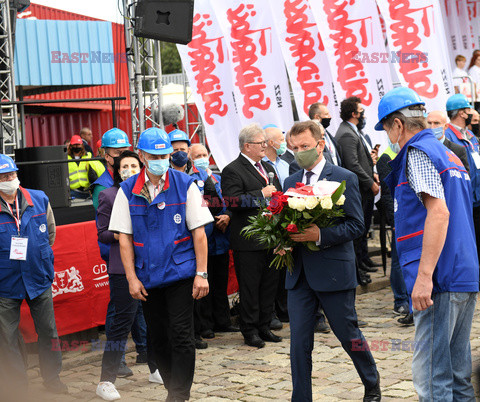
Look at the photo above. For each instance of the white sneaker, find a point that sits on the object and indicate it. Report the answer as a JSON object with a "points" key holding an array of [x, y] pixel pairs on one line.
{"points": [[155, 377], [107, 391]]}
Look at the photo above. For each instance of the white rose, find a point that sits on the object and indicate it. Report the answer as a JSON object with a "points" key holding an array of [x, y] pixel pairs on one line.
{"points": [[341, 200], [326, 203], [300, 204], [292, 202], [311, 202]]}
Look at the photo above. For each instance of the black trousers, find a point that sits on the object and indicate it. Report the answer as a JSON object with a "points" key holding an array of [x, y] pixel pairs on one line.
{"points": [[168, 312], [125, 308], [213, 310], [257, 284], [281, 306], [361, 244]]}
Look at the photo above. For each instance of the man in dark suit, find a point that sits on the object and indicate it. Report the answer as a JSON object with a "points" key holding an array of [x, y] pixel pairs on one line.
{"points": [[437, 120], [319, 113], [326, 276], [357, 159], [246, 183]]}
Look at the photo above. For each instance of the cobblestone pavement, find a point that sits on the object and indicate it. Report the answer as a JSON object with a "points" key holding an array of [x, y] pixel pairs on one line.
{"points": [[230, 370]]}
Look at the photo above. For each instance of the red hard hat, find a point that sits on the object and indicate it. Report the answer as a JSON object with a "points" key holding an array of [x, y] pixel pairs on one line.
{"points": [[76, 140], [99, 143]]}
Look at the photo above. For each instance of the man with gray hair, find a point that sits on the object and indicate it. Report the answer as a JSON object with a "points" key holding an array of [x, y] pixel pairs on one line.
{"points": [[246, 184]]}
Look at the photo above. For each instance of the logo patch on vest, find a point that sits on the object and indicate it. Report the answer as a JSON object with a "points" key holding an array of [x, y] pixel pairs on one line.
{"points": [[42, 228], [177, 218], [161, 205], [395, 205], [200, 183]]}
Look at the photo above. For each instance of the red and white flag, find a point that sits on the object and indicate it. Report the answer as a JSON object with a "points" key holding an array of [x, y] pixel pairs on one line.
{"points": [[473, 7], [353, 39], [305, 57], [209, 71], [417, 40], [259, 75]]}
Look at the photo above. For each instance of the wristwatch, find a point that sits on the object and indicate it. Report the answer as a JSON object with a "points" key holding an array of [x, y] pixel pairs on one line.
{"points": [[204, 275]]}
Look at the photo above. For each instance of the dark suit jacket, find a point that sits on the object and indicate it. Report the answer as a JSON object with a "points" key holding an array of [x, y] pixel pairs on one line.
{"points": [[332, 268], [287, 157], [356, 156], [241, 189], [458, 150], [384, 169], [326, 151]]}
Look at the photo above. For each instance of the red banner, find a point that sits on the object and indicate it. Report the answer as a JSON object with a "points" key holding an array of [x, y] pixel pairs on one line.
{"points": [[80, 288]]}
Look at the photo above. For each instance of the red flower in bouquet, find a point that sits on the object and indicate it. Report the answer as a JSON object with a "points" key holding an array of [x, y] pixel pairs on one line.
{"points": [[278, 201], [292, 228], [298, 185]]}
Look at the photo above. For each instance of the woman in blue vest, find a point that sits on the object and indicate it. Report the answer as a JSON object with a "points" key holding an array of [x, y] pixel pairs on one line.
{"points": [[436, 247], [160, 218]]}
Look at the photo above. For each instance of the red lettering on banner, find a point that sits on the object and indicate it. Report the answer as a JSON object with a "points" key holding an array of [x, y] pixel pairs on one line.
{"points": [[405, 35], [302, 50], [472, 9], [202, 60], [351, 74], [248, 78]]}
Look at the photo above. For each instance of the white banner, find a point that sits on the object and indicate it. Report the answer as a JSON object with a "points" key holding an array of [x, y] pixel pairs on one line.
{"points": [[353, 40], [305, 58], [455, 15], [209, 71], [474, 18], [260, 79], [416, 37]]}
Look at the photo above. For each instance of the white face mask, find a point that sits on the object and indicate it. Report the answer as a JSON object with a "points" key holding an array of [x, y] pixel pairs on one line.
{"points": [[126, 173], [9, 187]]}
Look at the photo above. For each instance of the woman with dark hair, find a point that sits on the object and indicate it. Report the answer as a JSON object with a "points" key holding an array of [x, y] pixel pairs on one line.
{"points": [[474, 73], [126, 165]]}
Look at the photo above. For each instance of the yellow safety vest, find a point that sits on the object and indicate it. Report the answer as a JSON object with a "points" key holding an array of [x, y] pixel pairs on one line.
{"points": [[78, 172]]}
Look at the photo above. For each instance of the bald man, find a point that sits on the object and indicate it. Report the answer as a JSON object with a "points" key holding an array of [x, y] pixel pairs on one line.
{"points": [[276, 147], [437, 120], [212, 314]]}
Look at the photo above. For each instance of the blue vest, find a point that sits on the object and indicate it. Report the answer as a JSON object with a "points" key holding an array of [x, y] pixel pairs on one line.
{"points": [[163, 244], [35, 275], [457, 267], [218, 242], [105, 180], [455, 136]]}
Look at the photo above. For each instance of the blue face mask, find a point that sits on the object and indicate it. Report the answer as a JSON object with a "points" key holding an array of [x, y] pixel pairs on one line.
{"points": [[201, 163], [282, 149], [180, 158], [438, 131], [158, 167], [394, 147]]}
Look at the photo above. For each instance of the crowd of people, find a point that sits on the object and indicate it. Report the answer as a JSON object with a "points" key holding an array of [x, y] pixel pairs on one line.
{"points": [[165, 231]]}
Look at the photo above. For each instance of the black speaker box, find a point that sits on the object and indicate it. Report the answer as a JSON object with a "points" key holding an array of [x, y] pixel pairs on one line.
{"points": [[51, 178], [165, 20]]}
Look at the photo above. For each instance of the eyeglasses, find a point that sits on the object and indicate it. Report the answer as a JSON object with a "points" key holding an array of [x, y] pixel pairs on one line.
{"points": [[7, 176], [262, 143]]}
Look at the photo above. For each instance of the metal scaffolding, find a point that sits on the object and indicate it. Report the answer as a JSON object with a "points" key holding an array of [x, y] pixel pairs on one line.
{"points": [[9, 139], [144, 74]]}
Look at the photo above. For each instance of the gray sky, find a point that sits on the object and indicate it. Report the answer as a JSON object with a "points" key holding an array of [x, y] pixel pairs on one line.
{"points": [[103, 9]]}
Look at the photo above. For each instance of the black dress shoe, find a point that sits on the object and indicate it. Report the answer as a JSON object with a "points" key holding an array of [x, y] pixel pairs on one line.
{"points": [[407, 320], [367, 268], [363, 278], [207, 334], [275, 324], [369, 263], [322, 326], [362, 324], [199, 343], [373, 394], [269, 336], [230, 328], [255, 341]]}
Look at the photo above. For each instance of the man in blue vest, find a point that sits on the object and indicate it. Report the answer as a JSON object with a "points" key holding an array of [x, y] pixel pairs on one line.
{"points": [[181, 151], [27, 232], [160, 217], [436, 247], [460, 113]]}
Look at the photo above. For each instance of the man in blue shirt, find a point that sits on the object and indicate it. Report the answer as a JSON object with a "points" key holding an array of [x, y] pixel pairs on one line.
{"points": [[276, 147]]}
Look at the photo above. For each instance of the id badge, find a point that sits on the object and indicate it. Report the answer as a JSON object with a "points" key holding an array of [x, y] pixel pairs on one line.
{"points": [[18, 248], [476, 159]]}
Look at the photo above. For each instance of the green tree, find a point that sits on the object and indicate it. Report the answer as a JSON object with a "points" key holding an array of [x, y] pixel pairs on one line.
{"points": [[171, 63]]}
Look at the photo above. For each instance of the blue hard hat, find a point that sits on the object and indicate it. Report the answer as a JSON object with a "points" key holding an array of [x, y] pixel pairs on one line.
{"points": [[155, 141], [179, 135], [270, 126], [115, 138], [7, 164], [395, 100], [457, 101]]}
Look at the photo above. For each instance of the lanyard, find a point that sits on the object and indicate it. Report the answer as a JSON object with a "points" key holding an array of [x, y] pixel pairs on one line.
{"points": [[17, 218]]}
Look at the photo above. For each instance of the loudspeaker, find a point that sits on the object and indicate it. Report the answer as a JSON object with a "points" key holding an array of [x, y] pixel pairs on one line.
{"points": [[51, 178], [165, 20]]}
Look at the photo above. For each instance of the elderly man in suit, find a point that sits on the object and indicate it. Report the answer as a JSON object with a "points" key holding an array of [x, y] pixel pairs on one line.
{"points": [[358, 159], [437, 121], [326, 276], [247, 183]]}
